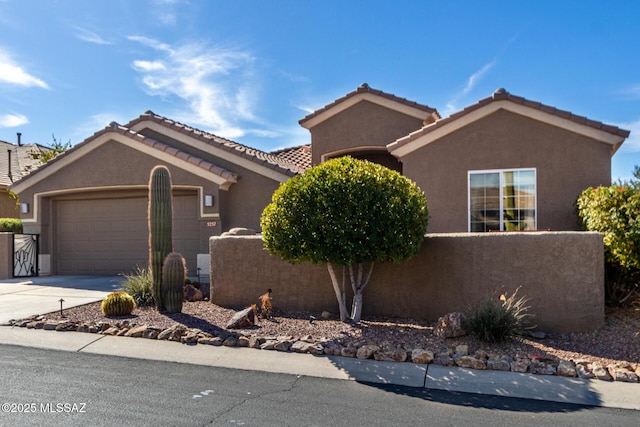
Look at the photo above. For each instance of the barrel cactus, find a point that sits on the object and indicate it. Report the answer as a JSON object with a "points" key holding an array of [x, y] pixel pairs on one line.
{"points": [[118, 304], [174, 272], [160, 223]]}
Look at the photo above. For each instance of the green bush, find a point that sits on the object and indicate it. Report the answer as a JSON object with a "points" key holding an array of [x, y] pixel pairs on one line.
{"points": [[614, 211], [349, 214], [494, 320], [139, 285], [118, 304], [13, 225]]}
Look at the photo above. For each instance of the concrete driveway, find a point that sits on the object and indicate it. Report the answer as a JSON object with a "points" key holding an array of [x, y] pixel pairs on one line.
{"points": [[24, 297]]}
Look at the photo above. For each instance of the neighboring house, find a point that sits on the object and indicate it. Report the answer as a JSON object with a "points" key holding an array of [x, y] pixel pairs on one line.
{"points": [[15, 162], [504, 163]]}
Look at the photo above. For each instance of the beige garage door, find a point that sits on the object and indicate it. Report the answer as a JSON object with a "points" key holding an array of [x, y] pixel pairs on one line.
{"points": [[109, 236]]}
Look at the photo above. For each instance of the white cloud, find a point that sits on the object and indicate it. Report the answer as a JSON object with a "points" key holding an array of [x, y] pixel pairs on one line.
{"points": [[472, 81], [90, 36], [13, 120], [12, 73], [148, 66], [216, 84]]}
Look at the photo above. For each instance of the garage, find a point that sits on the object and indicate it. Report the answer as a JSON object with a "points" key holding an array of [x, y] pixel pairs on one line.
{"points": [[107, 235]]}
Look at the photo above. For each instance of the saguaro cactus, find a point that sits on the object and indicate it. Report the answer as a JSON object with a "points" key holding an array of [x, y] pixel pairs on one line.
{"points": [[174, 271], [160, 223]]}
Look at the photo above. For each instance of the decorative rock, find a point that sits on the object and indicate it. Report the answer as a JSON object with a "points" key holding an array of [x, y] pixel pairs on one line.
{"points": [[470, 362], [216, 341], [584, 372], [192, 294], [566, 368], [539, 367], [283, 345], [600, 372], [367, 351], [622, 374], [397, 354], [349, 351], [332, 349], [122, 332], [520, 365], [243, 341], [539, 335], [268, 345], [419, 355], [306, 347], [136, 331], [255, 341], [189, 338], [450, 326], [498, 364], [111, 331], [325, 315], [443, 359], [50, 325], [230, 341], [243, 318], [66, 327]]}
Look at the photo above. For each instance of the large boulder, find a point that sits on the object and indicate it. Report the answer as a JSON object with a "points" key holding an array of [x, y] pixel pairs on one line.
{"points": [[192, 294], [243, 318], [450, 326]]}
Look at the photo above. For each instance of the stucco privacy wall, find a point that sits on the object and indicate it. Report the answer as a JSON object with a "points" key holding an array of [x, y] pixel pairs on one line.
{"points": [[561, 272], [6, 255]]}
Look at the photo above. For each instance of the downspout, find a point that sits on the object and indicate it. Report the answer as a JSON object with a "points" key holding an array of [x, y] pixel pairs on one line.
{"points": [[9, 168]]}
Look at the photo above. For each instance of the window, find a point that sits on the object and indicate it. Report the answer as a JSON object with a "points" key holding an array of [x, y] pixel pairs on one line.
{"points": [[502, 200]]}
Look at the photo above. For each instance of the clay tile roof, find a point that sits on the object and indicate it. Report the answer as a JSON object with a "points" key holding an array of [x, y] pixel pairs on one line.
{"points": [[502, 95], [269, 160], [365, 88], [300, 156], [115, 127], [194, 160]]}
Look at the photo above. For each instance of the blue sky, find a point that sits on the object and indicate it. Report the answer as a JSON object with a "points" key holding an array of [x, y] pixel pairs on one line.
{"points": [[249, 70]]}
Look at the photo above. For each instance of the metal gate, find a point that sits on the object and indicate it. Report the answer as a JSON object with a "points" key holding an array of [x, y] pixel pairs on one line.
{"points": [[25, 255]]}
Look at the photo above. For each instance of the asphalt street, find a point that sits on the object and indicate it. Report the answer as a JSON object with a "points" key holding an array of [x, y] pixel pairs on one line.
{"points": [[40, 387]]}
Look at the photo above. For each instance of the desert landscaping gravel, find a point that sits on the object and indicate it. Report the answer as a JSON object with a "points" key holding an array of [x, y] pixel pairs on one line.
{"points": [[617, 341]]}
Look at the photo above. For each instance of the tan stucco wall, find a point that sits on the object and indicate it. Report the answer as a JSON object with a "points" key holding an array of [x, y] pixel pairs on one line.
{"points": [[6, 255], [561, 272], [8, 205], [365, 124], [114, 164], [566, 163]]}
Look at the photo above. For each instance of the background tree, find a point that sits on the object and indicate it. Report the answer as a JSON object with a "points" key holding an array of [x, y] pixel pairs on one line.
{"points": [[349, 214], [44, 154], [614, 211]]}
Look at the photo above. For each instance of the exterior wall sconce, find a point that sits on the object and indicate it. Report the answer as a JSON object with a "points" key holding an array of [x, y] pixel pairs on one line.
{"points": [[24, 208], [208, 200]]}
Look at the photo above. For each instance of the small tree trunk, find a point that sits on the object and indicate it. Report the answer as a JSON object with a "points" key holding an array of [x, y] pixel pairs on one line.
{"points": [[358, 284], [338, 288]]}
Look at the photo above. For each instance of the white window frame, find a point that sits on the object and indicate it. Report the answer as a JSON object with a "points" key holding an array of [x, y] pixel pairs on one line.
{"points": [[501, 173]]}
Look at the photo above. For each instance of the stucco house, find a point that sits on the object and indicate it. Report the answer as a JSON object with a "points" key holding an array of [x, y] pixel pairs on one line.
{"points": [[89, 204], [504, 163]]}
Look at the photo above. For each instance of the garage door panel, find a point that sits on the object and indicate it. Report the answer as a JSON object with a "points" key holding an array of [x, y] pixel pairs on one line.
{"points": [[110, 236]]}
